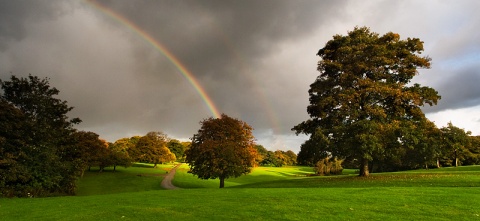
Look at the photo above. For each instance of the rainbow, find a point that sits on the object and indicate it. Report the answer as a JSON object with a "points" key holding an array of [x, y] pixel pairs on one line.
{"points": [[171, 57]]}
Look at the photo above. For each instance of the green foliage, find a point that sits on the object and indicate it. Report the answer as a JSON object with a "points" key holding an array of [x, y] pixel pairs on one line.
{"points": [[473, 157], [38, 157], [313, 149], [276, 158], [362, 102], [177, 148], [328, 166], [458, 146], [222, 148], [119, 154], [91, 150], [262, 155], [152, 148]]}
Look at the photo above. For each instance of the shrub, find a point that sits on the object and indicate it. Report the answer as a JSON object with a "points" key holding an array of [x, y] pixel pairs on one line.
{"points": [[328, 166]]}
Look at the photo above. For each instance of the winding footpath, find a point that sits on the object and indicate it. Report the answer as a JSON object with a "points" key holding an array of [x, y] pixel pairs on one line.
{"points": [[167, 181]]}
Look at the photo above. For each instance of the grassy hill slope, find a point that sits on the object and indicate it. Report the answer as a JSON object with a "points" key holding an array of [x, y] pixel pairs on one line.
{"points": [[266, 194]]}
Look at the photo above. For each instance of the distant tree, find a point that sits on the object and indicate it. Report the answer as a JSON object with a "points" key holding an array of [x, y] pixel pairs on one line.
{"points": [[105, 155], [291, 157], [280, 158], [222, 148], [362, 102], [152, 148], [314, 149], [87, 146], [473, 157], [131, 147], [45, 146], [427, 149], [455, 143], [261, 155], [119, 152], [177, 148]]}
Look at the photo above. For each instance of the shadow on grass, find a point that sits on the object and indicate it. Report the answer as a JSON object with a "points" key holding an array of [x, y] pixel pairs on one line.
{"points": [[376, 180], [143, 165], [286, 174]]}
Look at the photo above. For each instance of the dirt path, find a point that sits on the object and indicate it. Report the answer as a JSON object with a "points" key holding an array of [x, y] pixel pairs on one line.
{"points": [[167, 181]]}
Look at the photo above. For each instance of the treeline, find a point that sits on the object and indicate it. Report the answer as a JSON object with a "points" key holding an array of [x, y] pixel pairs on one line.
{"points": [[41, 154], [432, 148], [276, 158], [154, 147]]}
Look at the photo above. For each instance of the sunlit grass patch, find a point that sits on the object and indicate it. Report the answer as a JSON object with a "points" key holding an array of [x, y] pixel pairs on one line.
{"points": [[138, 177]]}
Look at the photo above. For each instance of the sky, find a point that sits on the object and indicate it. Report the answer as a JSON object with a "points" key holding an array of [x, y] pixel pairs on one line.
{"points": [[130, 67]]}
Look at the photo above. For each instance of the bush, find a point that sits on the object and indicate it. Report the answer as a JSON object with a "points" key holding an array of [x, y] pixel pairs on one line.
{"points": [[328, 166]]}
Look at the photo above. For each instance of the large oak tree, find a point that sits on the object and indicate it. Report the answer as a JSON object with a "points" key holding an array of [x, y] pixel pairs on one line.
{"points": [[363, 105], [222, 148]]}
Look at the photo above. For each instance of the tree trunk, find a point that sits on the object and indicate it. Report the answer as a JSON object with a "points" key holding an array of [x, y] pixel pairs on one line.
{"points": [[222, 182], [438, 163], [364, 168], [114, 167], [456, 158], [155, 165]]}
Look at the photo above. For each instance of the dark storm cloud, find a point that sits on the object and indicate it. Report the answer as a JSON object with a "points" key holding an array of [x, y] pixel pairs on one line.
{"points": [[255, 59], [14, 15], [225, 43], [459, 90], [205, 33]]}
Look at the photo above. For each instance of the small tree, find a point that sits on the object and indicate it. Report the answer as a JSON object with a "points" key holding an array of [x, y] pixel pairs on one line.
{"points": [[455, 143], [177, 148], [222, 148], [119, 153], [152, 148]]}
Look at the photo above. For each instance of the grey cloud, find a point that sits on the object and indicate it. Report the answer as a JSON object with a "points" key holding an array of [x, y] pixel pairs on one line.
{"points": [[15, 15], [255, 59], [459, 90]]}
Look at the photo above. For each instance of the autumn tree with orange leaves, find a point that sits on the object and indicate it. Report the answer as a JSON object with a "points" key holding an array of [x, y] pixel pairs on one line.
{"points": [[222, 148]]}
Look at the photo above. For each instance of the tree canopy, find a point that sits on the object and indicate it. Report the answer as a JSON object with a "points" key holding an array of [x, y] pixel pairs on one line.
{"points": [[222, 148], [152, 148], [38, 154], [362, 104]]}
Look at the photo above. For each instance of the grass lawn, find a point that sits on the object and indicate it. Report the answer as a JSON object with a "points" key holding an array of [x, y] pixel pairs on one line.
{"points": [[139, 177], [266, 194]]}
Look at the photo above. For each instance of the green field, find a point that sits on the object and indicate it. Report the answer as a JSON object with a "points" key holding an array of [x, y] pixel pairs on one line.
{"points": [[267, 193]]}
